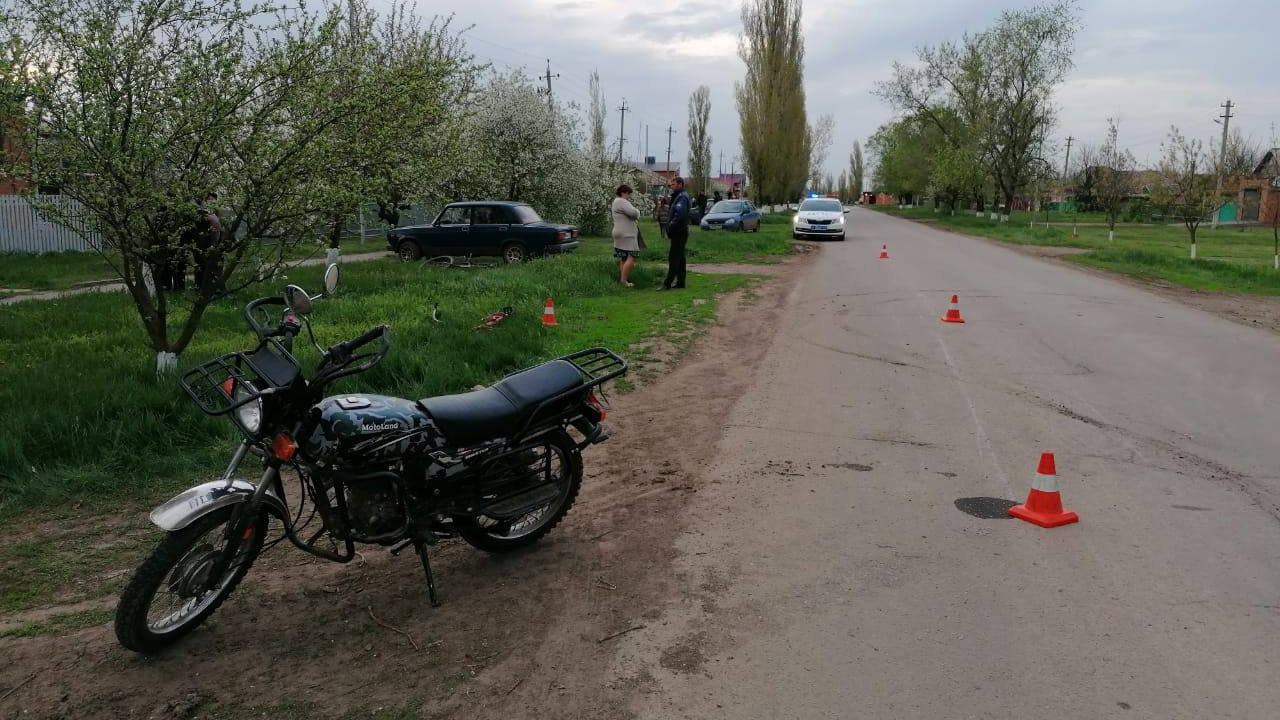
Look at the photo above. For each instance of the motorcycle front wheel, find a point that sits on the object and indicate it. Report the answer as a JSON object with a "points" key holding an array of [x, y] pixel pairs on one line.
{"points": [[172, 592], [563, 467]]}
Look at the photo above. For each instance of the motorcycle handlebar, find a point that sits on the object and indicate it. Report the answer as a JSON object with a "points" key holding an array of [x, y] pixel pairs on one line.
{"points": [[249, 309], [345, 348]]}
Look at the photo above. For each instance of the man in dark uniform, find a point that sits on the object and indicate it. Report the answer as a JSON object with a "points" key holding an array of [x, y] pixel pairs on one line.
{"points": [[678, 232]]}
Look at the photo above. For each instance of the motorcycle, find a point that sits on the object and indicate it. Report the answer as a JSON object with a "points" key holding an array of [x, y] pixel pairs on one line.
{"points": [[497, 467]]}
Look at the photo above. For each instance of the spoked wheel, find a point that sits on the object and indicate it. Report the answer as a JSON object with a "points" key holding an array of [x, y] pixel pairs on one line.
{"points": [[174, 589], [408, 251], [514, 254], [561, 470]]}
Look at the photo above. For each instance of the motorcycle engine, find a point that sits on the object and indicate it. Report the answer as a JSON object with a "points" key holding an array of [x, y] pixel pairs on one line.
{"points": [[373, 506]]}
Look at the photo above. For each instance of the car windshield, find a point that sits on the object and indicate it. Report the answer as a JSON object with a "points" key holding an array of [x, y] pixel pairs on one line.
{"points": [[821, 205], [527, 214], [729, 206]]}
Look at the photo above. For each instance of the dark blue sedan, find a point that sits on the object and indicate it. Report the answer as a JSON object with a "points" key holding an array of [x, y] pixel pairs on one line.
{"points": [[510, 230], [739, 215]]}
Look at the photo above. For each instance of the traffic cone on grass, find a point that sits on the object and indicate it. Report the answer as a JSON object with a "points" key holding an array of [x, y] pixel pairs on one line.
{"points": [[549, 315], [884, 252], [953, 314], [1044, 504]]}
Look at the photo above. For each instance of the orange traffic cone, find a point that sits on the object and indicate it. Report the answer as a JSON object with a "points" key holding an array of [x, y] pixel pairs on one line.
{"points": [[953, 314], [549, 315], [884, 252], [1044, 505]]}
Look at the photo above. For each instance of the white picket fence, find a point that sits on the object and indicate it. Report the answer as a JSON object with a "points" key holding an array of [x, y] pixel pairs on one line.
{"points": [[24, 230]]}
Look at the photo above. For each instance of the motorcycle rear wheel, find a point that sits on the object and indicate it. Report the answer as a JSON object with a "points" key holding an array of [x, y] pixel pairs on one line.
{"points": [[177, 571], [531, 527]]}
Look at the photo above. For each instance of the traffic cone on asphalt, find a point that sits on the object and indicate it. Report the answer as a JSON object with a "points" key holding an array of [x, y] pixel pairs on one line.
{"points": [[884, 252], [1044, 504], [549, 315], [953, 314]]}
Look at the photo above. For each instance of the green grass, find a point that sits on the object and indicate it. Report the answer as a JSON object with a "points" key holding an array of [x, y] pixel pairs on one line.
{"points": [[52, 271], [774, 239], [86, 419], [1230, 259], [63, 270], [60, 624]]}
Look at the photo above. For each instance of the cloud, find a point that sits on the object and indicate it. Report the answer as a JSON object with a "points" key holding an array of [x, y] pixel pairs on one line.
{"points": [[1151, 62]]}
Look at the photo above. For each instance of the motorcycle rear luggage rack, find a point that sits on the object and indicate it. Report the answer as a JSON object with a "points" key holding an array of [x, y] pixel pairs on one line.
{"points": [[598, 365], [206, 383]]}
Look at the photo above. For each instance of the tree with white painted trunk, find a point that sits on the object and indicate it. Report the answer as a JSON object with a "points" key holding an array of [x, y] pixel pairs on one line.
{"points": [[1186, 187], [1113, 177], [137, 109]]}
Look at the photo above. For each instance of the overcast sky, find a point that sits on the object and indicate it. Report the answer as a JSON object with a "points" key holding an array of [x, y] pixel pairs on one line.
{"points": [[1148, 62]]}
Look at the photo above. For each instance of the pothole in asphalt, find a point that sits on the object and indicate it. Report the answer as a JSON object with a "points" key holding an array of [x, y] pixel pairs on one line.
{"points": [[987, 508]]}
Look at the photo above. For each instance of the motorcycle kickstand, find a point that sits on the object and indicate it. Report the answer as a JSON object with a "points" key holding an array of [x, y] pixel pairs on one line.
{"points": [[421, 547]]}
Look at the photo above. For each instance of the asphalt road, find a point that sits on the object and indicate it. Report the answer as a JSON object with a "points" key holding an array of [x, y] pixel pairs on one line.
{"points": [[836, 577]]}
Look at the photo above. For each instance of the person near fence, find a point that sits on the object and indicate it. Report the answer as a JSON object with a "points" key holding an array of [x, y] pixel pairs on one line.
{"points": [[626, 233], [678, 233], [208, 240]]}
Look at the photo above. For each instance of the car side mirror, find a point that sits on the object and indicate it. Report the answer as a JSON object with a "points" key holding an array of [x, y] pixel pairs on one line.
{"points": [[846, 211], [297, 299]]}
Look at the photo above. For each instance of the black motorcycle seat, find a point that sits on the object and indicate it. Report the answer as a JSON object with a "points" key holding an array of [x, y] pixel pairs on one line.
{"points": [[501, 409]]}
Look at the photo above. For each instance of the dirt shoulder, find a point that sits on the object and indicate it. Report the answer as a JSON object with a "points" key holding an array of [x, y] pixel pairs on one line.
{"points": [[1253, 310], [534, 630]]}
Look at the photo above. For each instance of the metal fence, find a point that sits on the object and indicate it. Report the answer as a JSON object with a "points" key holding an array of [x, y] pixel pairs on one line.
{"points": [[24, 230]]}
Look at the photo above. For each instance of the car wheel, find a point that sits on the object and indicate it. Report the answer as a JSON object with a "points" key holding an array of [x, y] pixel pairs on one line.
{"points": [[409, 251], [514, 253], [841, 238]]}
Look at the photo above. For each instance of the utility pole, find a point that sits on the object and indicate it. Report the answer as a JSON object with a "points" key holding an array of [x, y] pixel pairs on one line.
{"points": [[622, 127], [722, 162], [1066, 165], [1222, 158], [646, 141], [548, 77], [670, 131]]}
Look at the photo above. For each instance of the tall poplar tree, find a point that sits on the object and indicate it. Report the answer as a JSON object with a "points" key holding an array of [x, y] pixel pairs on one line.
{"points": [[773, 125]]}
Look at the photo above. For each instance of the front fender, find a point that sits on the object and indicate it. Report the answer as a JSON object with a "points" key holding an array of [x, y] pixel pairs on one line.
{"points": [[189, 505]]}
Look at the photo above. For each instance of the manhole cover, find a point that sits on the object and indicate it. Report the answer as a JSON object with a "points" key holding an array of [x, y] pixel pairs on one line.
{"points": [[987, 508]]}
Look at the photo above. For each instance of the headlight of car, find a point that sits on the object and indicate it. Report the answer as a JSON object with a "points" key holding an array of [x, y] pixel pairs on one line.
{"points": [[838, 221], [249, 415]]}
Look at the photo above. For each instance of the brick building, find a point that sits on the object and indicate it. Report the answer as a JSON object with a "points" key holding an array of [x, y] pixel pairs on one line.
{"points": [[1258, 194]]}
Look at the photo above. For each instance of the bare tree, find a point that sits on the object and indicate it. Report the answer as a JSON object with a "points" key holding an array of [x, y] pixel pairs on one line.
{"points": [[1186, 184], [699, 139], [1113, 179], [819, 146], [771, 101]]}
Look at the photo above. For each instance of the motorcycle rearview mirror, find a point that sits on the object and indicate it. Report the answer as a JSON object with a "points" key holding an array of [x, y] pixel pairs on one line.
{"points": [[331, 279], [297, 299]]}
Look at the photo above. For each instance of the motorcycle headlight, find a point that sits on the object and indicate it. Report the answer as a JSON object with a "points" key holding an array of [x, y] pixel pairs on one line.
{"points": [[249, 415]]}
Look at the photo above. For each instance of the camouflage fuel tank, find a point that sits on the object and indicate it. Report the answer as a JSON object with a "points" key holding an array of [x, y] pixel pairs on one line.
{"points": [[370, 429]]}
